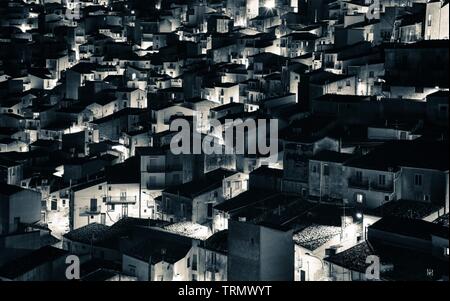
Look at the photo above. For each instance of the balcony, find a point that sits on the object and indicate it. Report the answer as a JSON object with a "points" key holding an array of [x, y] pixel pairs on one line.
{"points": [[359, 183], [212, 268], [365, 184], [329, 65], [389, 187], [121, 200], [90, 210]]}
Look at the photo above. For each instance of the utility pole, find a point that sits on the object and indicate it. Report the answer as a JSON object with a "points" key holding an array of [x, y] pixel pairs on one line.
{"points": [[140, 188], [320, 183]]}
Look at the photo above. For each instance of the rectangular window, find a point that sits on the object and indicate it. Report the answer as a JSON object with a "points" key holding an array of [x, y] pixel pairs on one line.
{"points": [[326, 170], [93, 205], [359, 176], [359, 198], [382, 180], [237, 185], [210, 210], [418, 180], [194, 262]]}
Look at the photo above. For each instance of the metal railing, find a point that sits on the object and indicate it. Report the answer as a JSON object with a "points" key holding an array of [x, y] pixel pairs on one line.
{"points": [[364, 183], [361, 183], [90, 210], [121, 199], [389, 187]]}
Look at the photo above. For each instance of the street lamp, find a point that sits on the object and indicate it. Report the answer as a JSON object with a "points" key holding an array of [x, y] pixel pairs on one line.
{"points": [[269, 4]]}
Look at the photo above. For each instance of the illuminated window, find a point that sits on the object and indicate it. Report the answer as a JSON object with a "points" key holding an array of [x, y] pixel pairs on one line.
{"points": [[359, 198]]}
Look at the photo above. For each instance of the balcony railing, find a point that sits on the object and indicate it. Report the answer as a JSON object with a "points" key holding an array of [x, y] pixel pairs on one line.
{"points": [[329, 64], [212, 268], [121, 200], [360, 183], [90, 210], [365, 184], [382, 188]]}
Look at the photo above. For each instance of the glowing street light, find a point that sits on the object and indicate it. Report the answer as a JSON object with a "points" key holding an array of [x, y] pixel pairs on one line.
{"points": [[269, 4]]}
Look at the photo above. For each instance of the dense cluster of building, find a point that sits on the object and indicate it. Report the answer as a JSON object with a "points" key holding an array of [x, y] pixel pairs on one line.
{"points": [[89, 90]]}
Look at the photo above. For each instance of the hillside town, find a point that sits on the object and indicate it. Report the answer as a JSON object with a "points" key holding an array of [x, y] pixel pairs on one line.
{"points": [[224, 140]]}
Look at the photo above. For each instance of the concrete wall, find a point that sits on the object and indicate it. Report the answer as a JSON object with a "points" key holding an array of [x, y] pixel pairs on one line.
{"points": [[277, 255], [434, 185], [80, 201], [252, 255], [243, 251], [23, 206], [52, 270], [374, 195], [400, 241], [135, 267], [331, 185]]}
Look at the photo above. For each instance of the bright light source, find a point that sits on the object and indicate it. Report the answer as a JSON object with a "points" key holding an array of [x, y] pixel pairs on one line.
{"points": [[359, 215], [269, 4]]}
